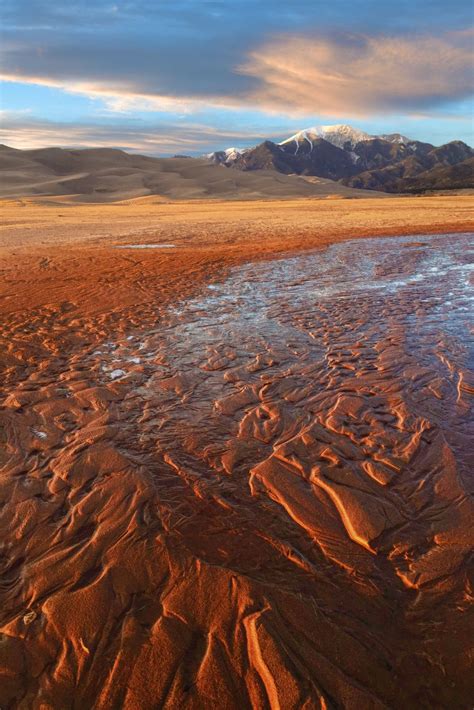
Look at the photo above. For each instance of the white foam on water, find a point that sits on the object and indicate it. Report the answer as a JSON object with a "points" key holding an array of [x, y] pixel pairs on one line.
{"points": [[115, 374]]}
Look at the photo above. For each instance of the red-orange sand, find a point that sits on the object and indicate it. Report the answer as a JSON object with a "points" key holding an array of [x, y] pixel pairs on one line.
{"points": [[152, 557]]}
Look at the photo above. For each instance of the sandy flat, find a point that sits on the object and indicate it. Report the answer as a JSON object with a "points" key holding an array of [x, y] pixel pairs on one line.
{"points": [[50, 242], [234, 471]]}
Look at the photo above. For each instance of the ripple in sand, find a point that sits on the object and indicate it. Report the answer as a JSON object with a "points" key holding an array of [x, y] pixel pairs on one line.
{"points": [[271, 509]]}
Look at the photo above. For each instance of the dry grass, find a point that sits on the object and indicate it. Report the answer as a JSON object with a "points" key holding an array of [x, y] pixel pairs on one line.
{"points": [[276, 224]]}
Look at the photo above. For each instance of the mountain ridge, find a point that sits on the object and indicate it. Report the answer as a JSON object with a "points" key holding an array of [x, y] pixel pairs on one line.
{"points": [[386, 164], [355, 158], [341, 135]]}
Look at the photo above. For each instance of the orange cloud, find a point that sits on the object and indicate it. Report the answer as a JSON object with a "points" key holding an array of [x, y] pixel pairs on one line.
{"points": [[360, 75]]}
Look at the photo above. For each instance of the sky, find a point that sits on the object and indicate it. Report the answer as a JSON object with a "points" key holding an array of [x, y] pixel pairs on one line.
{"points": [[165, 77]]}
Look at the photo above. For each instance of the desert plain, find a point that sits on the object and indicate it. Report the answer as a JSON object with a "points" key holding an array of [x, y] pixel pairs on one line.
{"points": [[235, 463]]}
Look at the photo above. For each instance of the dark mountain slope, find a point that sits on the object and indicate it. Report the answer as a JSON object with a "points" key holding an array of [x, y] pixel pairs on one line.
{"points": [[391, 177], [322, 159], [453, 177]]}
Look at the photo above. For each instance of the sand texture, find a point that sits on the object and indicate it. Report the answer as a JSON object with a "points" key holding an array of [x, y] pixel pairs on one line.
{"points": [[235, 471]]}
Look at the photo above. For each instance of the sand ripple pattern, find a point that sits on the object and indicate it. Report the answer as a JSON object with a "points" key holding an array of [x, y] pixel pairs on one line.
{"points": [[261, 501]]}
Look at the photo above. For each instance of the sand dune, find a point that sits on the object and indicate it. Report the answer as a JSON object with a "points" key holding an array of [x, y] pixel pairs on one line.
{"points": [[229, 479], [102, 175]]}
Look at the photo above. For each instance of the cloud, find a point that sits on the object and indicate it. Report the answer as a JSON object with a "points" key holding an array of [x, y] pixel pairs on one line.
{"points": [[117, 97], [265, 69], [20, 131], [146, 51], [185, 57], [350, 75], [236, 17], [359, 75]]}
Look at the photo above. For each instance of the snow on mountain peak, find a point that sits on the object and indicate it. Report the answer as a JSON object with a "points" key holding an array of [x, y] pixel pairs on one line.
{"points": [[340, 135], [232, 153], [225, 157]]}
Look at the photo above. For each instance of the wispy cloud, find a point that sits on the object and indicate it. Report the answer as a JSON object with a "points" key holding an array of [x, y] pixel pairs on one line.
{"points": [[19, 131], [361, 75], [116, 96]]}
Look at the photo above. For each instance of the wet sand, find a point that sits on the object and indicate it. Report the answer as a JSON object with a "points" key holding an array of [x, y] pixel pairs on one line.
{"points": [[235, 473]]}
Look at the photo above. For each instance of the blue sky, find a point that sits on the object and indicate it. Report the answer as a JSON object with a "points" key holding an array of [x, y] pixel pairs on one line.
{"points": [[190, 76]]}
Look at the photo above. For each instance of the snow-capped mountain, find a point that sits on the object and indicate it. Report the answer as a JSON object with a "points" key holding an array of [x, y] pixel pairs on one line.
{"points": [[226, 157], [389, 162], [340, 135]]}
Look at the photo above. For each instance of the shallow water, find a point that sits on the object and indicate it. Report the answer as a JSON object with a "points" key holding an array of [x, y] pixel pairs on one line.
{"points": [[345, 371], [354, 296]]}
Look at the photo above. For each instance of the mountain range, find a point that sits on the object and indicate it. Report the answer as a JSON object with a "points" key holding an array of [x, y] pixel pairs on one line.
{"points": [[324, 161], [389, 163]]}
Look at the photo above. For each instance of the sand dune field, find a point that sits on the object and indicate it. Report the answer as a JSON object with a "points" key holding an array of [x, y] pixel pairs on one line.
{"points": [[106, 175]]}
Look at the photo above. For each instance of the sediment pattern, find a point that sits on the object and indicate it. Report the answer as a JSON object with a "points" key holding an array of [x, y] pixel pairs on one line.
{"points": [[261, 500]]}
